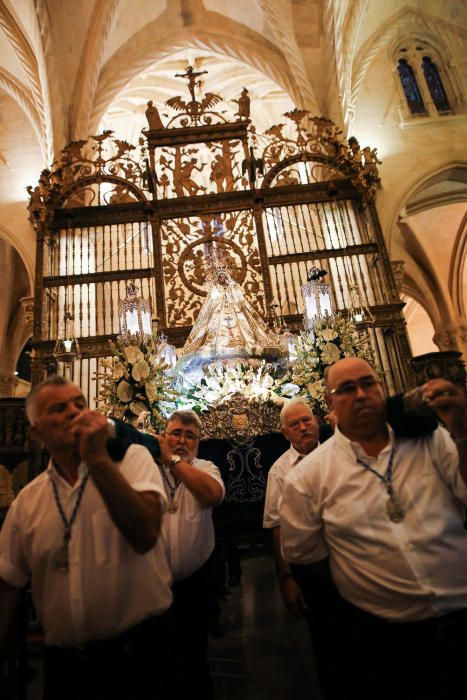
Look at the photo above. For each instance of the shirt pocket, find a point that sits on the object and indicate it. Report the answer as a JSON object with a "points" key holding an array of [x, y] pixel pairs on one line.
{"points": [[110, 547], [360, 525]]}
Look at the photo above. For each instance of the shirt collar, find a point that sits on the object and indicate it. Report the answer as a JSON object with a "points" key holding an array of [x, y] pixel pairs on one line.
{"points": [[53, 472], [356, 450], [295, 456]]}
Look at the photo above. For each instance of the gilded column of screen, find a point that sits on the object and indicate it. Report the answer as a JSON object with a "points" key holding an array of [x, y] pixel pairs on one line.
{"points": [[309, 227], [295, 230], [356, 278], [139, 261], [263, 256], [332, 261]]}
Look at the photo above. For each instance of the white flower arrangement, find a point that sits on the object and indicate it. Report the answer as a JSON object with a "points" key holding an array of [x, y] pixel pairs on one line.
{"points": [[135, 384], [331, 339], [257, 384]]}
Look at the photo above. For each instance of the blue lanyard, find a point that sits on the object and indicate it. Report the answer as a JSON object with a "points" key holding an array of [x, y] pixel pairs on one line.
{"points": [[386, 478]]}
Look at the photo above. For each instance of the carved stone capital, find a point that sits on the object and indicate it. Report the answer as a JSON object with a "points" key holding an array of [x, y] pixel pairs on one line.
{"points": [[8, 383], [446, 339], [462, 332], [398, 272], [27, 304]]}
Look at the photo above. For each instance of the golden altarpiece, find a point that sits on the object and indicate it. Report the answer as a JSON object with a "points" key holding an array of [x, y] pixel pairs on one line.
{"points": [[109, 213]]}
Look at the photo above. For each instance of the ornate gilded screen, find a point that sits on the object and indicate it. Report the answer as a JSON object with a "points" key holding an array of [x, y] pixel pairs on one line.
{"points": [[275, 204]]}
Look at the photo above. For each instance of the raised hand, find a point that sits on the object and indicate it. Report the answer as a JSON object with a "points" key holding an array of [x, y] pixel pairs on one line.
{"points": [[449, 402]]}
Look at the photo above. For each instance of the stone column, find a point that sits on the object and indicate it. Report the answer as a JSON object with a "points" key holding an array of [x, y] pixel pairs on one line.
{"points": [[398, 272]]}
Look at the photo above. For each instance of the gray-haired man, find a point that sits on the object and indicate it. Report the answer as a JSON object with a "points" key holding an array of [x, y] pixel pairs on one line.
{"points": [[300, 426], [193, 487], [86, 531]]}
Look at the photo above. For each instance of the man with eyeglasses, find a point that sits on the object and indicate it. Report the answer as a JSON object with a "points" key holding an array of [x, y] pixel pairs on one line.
{"points": [[389, 513], [194, 486]]}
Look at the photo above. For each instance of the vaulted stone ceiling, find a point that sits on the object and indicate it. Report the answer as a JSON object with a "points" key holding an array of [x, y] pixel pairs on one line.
{"points": [[70, 68]]}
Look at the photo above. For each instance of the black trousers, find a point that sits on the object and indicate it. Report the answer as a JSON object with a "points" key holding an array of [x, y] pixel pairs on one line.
{"points": [[422, 660], [131, 666], [191, 607], [363, 657], [325, 620]]}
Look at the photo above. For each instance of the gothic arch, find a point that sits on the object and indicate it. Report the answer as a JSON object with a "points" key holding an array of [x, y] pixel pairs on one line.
{"points": [[417, 185], [434, 298], [90, 64], [143, 50], [28, 58], [411, 289], [17, 282], [458, 269], [22, 247], [24, 99]]}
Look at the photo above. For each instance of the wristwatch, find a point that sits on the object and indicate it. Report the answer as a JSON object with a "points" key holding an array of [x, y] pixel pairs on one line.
{"points": [[175, 459]]}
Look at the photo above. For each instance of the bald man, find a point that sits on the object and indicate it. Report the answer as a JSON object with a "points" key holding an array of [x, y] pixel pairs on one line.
{"points": [[389, 512]]}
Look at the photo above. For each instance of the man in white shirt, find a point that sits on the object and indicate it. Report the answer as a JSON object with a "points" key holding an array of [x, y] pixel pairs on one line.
{"points": [[390, 515], [300, 427], [87, 533], [194, 486]]}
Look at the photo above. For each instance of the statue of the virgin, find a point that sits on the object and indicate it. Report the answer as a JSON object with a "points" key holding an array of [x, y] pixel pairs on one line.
{"points": [[227, 327]]}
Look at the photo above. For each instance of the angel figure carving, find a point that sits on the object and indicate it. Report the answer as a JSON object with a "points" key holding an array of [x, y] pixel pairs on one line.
{"points": [[194, 108]]}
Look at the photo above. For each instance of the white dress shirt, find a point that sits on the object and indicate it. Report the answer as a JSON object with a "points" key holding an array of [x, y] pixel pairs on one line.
{"points": [[400, 571], [189, 532], [275, 485], [109, 587]]}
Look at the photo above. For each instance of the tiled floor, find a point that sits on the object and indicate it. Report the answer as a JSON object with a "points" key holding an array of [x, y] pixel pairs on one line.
{"points": [[264, 654]]}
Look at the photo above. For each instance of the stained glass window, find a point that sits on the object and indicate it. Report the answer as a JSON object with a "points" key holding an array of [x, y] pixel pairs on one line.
{"points": [[410, 87], [435, 85]]}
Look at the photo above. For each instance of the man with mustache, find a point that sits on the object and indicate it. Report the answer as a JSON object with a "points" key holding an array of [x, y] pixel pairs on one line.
{"points": [[389, 513], [300, 427], [194, 486]]}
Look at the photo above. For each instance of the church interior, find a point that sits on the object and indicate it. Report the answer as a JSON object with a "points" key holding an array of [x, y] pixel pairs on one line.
{"points": [[136, 135], [76, 69]]}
